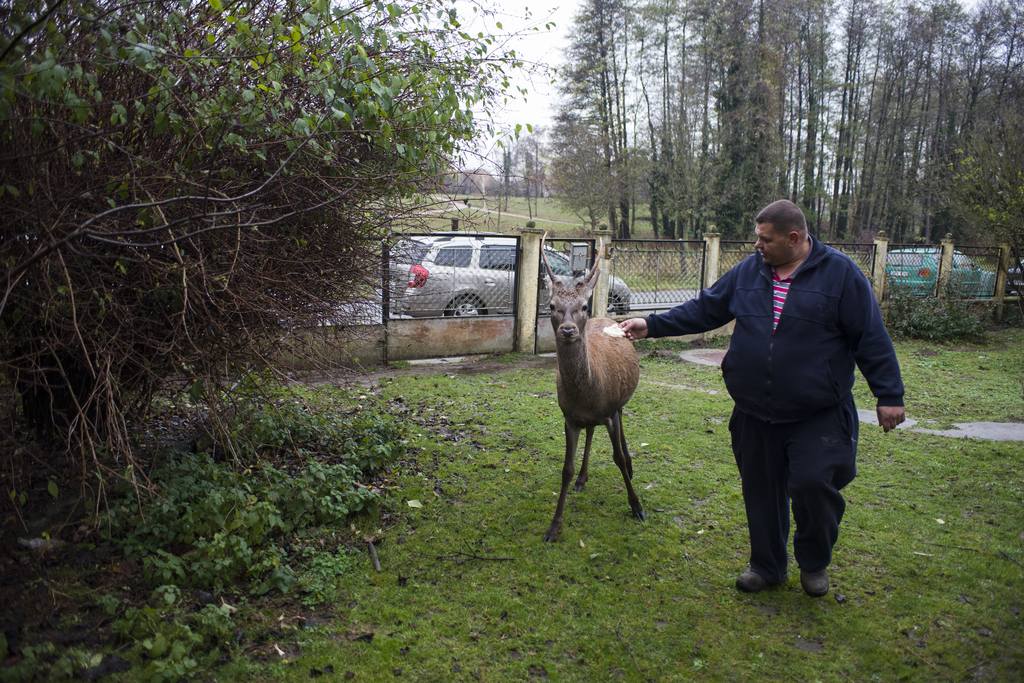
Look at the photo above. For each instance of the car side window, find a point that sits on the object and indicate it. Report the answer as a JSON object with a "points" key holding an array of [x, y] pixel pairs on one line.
{"points": [[497, 258], [456, 257]]}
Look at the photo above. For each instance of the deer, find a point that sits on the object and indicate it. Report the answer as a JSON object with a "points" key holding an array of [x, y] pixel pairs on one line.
{"points": [[596, 376]]}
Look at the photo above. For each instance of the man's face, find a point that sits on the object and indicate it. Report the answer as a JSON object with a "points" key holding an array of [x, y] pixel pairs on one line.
{"points": [[776, 249]]}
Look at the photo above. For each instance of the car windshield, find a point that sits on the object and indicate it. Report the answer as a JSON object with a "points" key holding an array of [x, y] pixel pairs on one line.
{"points": [[559, 264]]}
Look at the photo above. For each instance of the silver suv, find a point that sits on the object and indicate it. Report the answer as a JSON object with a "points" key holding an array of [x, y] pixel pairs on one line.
{"points": [[460, 275]]}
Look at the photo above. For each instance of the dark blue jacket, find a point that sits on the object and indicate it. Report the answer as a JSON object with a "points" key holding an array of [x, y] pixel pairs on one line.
{"points": [[830, 321]]}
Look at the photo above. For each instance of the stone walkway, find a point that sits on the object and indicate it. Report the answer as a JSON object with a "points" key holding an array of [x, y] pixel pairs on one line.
{"points": [[991, 431]]}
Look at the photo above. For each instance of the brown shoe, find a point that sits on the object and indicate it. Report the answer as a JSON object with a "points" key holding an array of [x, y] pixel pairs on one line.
{"points": [[815, 583], [751, 582]]}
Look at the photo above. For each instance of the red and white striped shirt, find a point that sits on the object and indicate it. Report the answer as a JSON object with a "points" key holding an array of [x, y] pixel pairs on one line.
{"points": [[781, 289]]}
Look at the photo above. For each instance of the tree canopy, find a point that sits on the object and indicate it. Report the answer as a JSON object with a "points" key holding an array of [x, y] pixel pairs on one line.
{"points": [[854, 109], [184, 182]]}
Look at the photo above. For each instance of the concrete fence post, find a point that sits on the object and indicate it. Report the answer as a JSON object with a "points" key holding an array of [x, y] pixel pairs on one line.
{"points": [[1002, 271], [712, 247], [529, 277], [878, 269], [604, 260], [945, 263]]}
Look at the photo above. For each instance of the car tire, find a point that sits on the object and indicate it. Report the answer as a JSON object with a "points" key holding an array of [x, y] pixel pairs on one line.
{"points": [[465, 305], [617, 306]]}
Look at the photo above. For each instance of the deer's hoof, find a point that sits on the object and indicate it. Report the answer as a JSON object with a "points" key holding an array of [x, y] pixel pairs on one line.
{"points": [[580, 483], [552, 533], [639, 513]]}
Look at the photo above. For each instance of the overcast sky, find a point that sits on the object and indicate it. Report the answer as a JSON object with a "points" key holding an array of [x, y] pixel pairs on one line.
{"points": [[542, 46]]}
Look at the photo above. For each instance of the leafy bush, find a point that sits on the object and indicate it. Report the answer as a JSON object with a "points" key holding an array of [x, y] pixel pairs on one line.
{"points": [[228, 520], [945, 318], [364, 440]]}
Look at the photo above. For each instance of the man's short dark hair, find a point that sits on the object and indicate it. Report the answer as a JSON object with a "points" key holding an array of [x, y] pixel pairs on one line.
{"points": [[785, 216]]}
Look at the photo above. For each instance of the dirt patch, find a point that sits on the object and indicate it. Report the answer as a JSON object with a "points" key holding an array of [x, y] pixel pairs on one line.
{"points": [[485, 365]]}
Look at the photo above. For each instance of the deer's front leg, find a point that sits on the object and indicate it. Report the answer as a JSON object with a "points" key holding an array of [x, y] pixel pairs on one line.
{"points": [[572, 437], [581, 480]]}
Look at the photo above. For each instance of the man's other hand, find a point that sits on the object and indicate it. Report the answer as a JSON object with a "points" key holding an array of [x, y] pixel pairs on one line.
{"points": [[888, 416]]}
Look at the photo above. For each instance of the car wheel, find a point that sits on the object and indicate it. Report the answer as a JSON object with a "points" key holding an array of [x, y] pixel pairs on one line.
{"points": [[467, 304], [617, 306]]}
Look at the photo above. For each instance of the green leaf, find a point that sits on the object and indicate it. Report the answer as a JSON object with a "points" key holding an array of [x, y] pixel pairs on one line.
{"points": [[52, 488], [217, 5], [415, 504]]}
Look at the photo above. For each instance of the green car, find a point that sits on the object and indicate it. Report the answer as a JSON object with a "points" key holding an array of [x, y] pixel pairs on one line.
{"points": [[916, 271]]}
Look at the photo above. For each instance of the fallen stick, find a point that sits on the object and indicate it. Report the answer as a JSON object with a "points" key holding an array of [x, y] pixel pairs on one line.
{"points": [[1010, 558], [958, 547], [628, 650], [944, 675], [472, 556], [373, 552]]}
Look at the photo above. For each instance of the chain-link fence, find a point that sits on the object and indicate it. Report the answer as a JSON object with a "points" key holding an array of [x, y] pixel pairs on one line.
{"points": [[658, 274], [466, 274], [731, 253], [861, 254], [974, 271], [559, 256], [917, 270]]}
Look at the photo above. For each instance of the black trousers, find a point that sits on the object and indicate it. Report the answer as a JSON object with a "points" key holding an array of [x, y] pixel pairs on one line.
{"points": [[807, 463]]}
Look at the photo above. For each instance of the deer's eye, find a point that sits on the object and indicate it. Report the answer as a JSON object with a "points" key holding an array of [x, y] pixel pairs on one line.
{"points": [[551, 306], [584, 309]]}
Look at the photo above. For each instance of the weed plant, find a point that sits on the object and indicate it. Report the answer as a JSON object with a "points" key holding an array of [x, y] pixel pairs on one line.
{"points": [[231, 516]]}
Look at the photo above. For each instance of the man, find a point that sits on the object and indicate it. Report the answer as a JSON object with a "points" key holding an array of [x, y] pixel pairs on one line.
{"points": [[804, 315]]}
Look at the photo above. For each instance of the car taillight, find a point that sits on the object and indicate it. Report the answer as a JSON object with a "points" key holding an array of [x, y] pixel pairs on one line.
{"points": [[418, 276]]}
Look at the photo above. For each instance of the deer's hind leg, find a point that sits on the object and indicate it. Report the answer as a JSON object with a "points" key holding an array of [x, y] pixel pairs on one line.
{"points": [[620, 453], [581, 480]]}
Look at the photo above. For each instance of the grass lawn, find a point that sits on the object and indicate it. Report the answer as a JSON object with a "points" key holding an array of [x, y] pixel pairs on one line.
{"points": [[926, 579]]}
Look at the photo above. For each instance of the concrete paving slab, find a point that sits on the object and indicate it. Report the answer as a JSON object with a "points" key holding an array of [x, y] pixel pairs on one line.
{"points": [[704, 356], [990, 431]]}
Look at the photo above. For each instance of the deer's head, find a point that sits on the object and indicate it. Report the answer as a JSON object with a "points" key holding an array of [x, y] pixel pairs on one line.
{"points": [[569, 308]]}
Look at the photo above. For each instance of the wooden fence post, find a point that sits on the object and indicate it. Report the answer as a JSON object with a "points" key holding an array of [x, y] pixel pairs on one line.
{"points": [[604, 276], [1001, 276], [878, 271], [713, 243], [945, 263]]}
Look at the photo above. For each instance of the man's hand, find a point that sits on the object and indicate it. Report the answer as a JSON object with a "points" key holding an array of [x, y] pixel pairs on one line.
{"points": [[635, 328], [888, 416]]}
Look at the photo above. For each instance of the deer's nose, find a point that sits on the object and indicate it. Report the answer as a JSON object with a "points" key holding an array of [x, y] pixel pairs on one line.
{"points": [[567, 330]]}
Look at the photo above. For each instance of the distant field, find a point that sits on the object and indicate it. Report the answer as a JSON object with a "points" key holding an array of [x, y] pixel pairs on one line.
{"points": [[487, 214]]}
